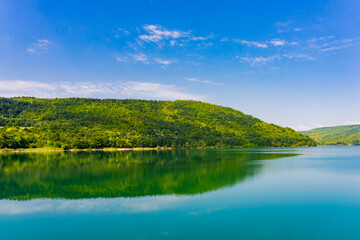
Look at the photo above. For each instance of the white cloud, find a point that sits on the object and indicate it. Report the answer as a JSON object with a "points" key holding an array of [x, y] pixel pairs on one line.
{"points": [[259, 60], [351, 123], [30, 50], [251, 43], [201, 38], [299, 56], [313, 41], [273, 42], [203, 81], [148, 90], [133, 45], [156, 33], [306, 128], [143, 58], [11, 88], [160, 36], [140, 57], [162, 61], [41, 44], [277, 42], [300, 128], [327, 44], [151, 38], [155, 90], [86, 88], [342, 46], [121, 59], [319, 125], [293, 43]]}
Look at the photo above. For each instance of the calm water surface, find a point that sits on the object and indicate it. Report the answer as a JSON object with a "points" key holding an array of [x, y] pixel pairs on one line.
{"points": [[269, 193]]}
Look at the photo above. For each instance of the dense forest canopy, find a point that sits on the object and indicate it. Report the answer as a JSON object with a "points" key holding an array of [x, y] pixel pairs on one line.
{"points": [[338, 135], [97, 123]]}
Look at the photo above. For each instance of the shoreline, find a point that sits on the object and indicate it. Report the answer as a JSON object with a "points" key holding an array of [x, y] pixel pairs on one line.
{"points": [[29, 150], [38, 150]]}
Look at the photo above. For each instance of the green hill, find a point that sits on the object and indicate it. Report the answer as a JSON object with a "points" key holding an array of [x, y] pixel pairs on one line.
{"points": [[339, 135], [94, 123]]}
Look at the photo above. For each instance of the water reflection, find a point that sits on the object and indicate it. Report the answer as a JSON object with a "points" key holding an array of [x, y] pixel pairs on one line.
{"points": [[75, 175]]}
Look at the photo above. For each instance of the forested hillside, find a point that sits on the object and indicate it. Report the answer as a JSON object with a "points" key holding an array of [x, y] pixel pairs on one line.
{"points": [[338, 135], [94, 123]]}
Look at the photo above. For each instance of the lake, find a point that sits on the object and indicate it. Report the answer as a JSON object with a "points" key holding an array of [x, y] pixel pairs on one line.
{"points": [[258, 193]]}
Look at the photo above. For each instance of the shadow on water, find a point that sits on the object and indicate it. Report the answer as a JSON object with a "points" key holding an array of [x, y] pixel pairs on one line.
{"points": [[75, 175]]}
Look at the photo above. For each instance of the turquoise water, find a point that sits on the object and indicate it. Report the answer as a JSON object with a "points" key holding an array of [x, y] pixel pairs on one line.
{"points": [[269, 193]]}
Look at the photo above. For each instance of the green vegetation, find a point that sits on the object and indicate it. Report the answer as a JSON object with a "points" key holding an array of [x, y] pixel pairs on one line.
{"points": [[92, 123], [73, 175], [339, 135]]}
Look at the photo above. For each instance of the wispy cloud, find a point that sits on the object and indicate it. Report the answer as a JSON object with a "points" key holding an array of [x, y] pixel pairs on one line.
{"points": [[162, 61], [329, 43], [299, 56], [277, 42], [145, 59], [319, 41], [148, 90], [286, 47], [320, 125], [140, 57], [157, 33], [121, 32], [161, 36], [122, 58], [199, 38], [203, 81], [266, 44], [259, 60], [286, 26], [273, 58], [251, 43], [11, 88], [41, 44], [155, 90], [344, 44], [300, 128], [352, 123]]}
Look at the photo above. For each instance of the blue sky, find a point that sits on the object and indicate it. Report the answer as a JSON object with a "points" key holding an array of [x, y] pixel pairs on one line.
{"points": [[285, 62]]}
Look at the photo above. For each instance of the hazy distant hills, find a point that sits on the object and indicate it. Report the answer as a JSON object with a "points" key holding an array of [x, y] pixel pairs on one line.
{"points": [[94, 123], [346, 135]]}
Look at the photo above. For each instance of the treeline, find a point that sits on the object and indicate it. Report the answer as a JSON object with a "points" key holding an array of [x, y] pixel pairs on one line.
{"points": [[92, 123]]}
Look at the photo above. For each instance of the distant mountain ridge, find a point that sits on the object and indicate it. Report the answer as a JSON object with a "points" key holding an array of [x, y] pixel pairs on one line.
{"points": [[337, 135], [94, 123]]}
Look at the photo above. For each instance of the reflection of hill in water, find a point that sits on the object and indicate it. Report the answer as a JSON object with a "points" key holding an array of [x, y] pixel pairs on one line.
{"points": [[124, 174]]}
